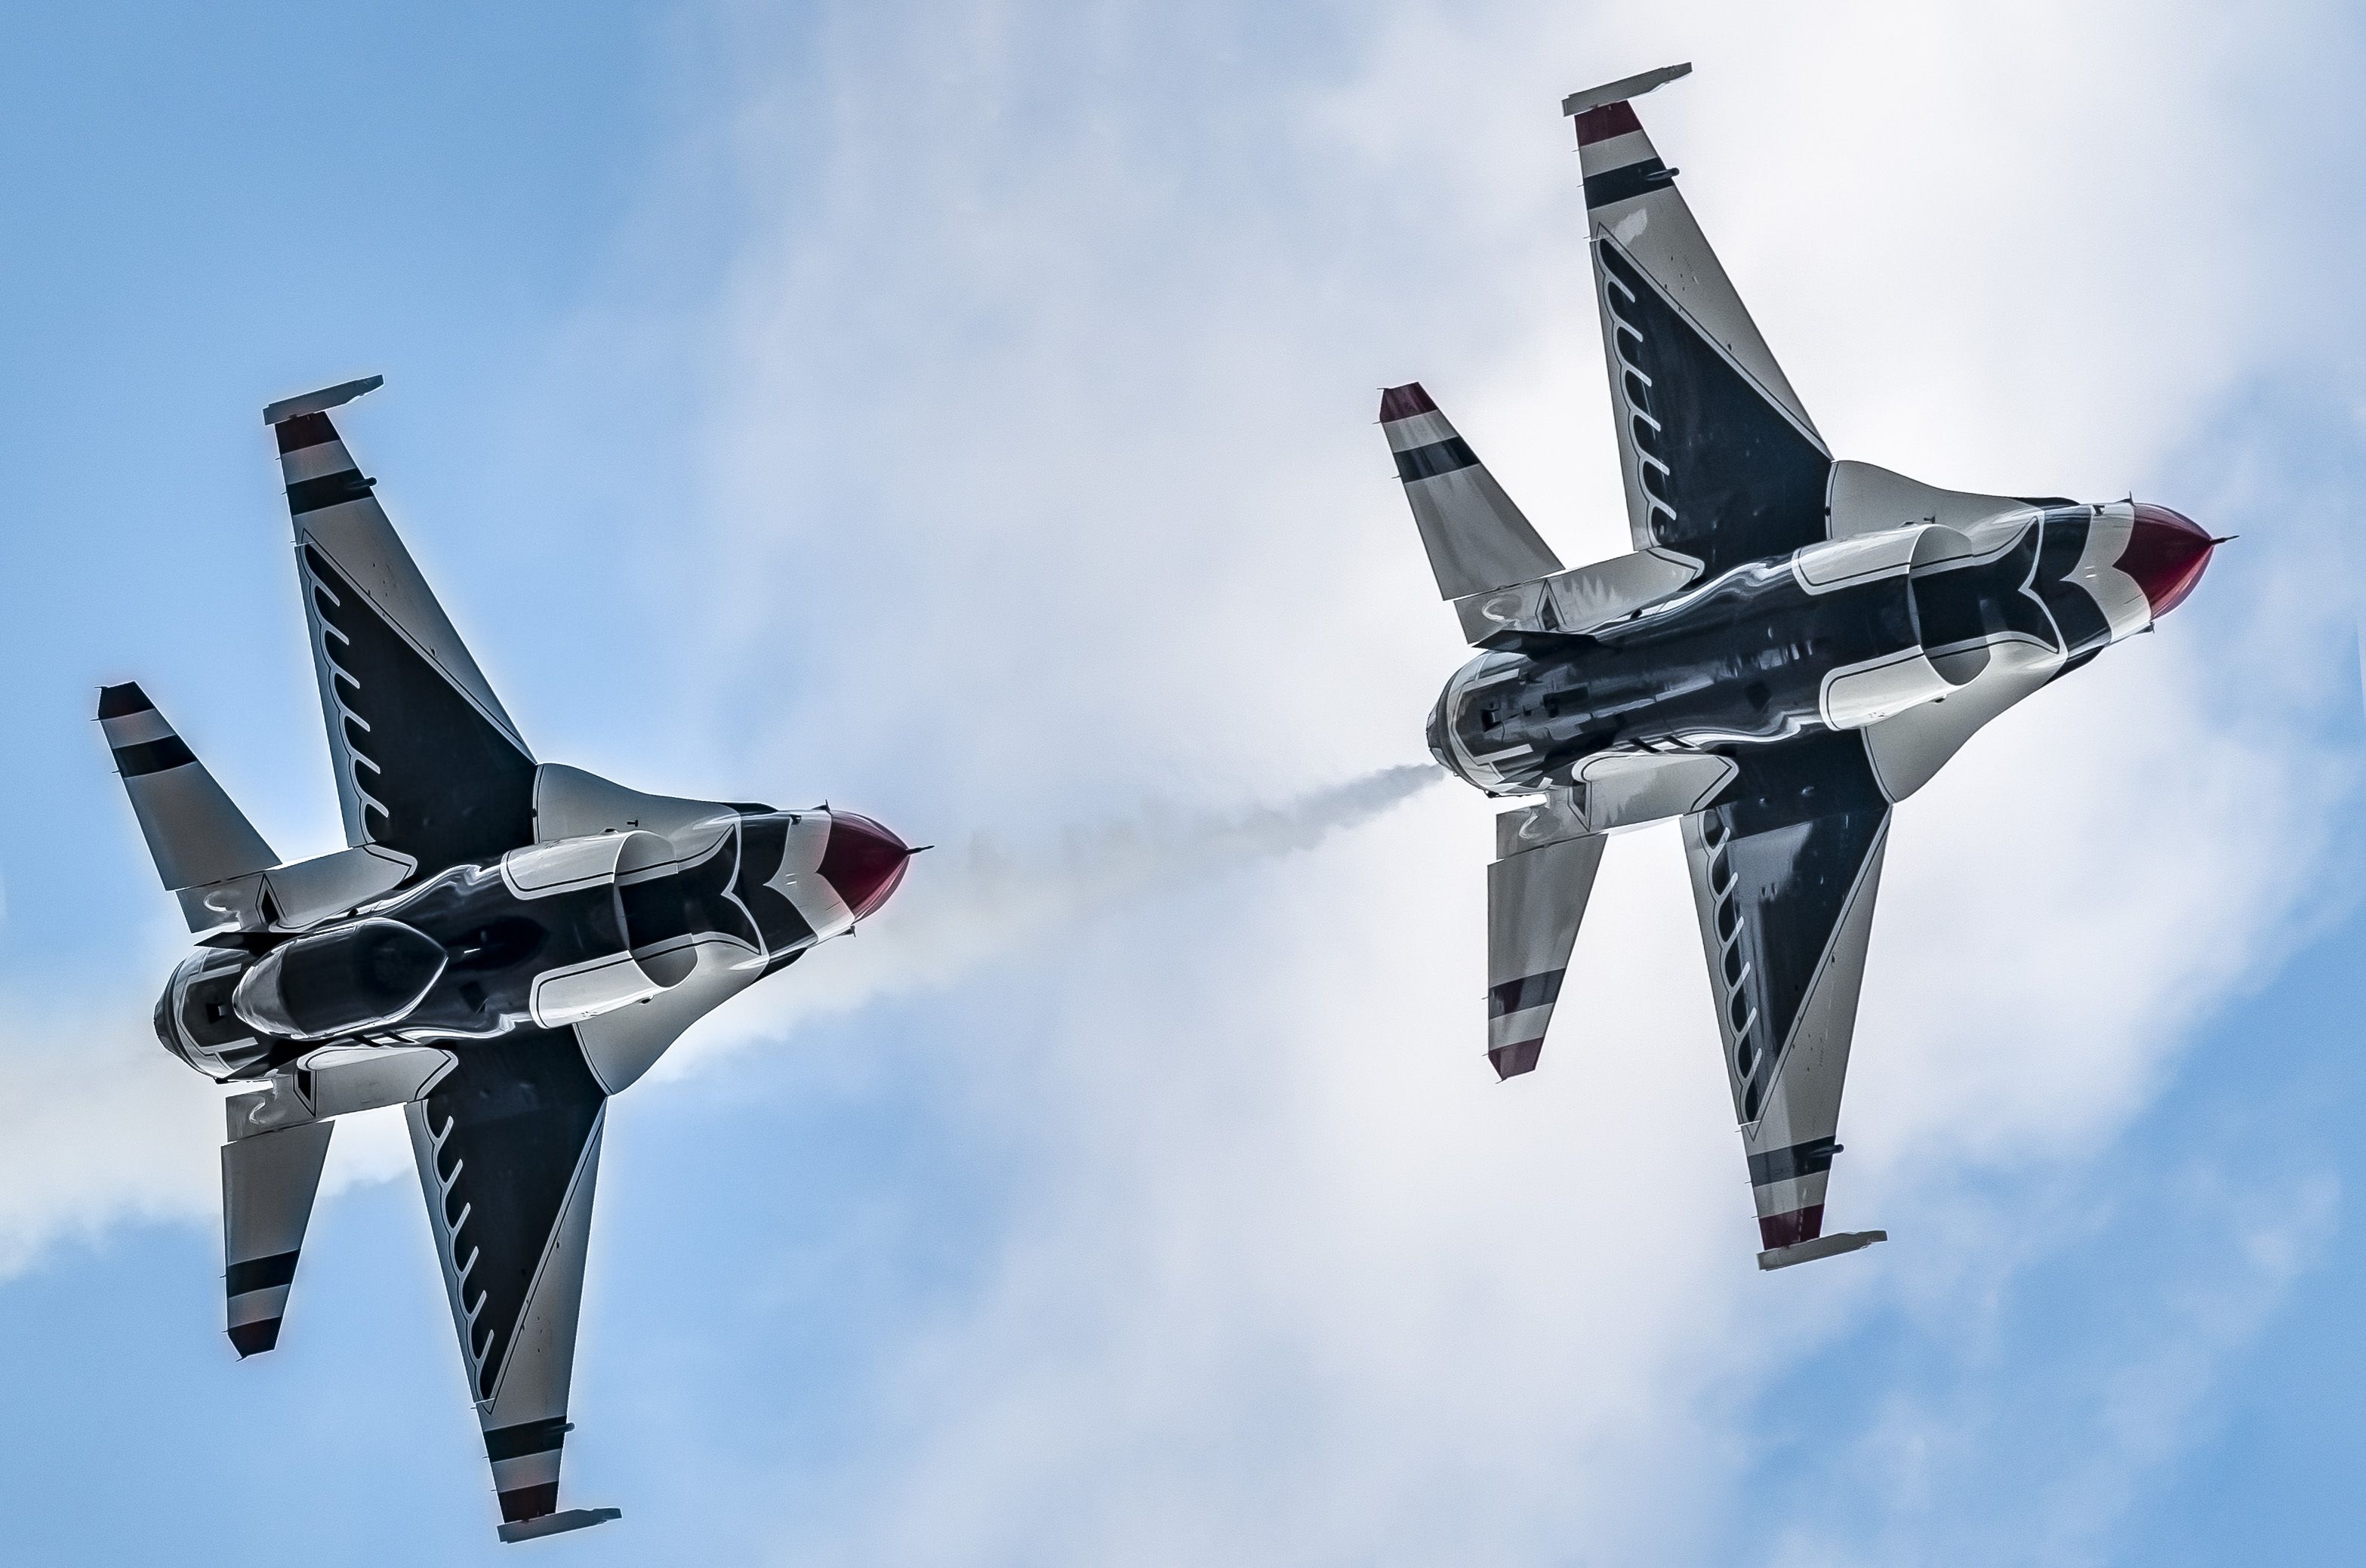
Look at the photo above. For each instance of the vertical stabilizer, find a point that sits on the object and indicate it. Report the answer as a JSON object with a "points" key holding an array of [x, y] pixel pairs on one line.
{"points": [[195, 833]]}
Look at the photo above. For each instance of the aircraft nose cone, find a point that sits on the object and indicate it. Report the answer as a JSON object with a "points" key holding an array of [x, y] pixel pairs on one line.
{"points": [[2166, 553], [863, 861]]}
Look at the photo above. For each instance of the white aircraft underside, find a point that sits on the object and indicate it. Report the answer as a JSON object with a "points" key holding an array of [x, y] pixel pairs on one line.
{"points": [[1795, 645], [502, 945]]}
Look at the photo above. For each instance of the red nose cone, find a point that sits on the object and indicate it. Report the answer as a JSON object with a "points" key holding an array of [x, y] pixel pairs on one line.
{"points": [[2166, 554], [863, 861]]}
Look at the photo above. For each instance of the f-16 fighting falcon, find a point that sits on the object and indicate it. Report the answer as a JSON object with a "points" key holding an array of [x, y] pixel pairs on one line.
{"points": [[1796, 645], [504, 944]]}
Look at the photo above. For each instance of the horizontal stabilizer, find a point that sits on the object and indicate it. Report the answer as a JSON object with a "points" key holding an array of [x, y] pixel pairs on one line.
{"points": [[1537, 892], [1821, 1246], [195, 833], [1477, 540], [268, 1184], [558, 1524]]}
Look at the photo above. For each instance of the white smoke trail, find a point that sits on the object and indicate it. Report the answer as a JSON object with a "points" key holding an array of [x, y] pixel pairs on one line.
{"points": [[73, 1164], [99, 1127], [962, 907]]}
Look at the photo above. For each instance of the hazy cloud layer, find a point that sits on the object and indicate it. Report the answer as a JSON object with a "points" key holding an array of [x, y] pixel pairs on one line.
{"points": [[1292, 1279]]}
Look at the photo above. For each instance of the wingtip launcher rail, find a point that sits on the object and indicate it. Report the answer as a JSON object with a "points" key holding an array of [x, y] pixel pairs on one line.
{"points": [[327, 397], [1626, 87]]}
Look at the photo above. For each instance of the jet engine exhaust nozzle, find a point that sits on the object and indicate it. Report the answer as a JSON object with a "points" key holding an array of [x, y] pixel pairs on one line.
{"points": [[863, 861], [2166, 554]]}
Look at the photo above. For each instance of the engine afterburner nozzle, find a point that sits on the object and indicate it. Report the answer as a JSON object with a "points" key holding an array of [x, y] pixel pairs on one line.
{"points": [[2166, 554], [863, 861]]}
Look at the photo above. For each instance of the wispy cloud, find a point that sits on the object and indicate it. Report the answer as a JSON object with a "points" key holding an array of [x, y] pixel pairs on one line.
{"points": [[966, 905], [2072, 1413], [1287, 1278], [100, 1126]]}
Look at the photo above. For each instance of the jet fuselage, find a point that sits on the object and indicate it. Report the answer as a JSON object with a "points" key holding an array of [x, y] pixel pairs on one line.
{"points": [[1794, 644], [501, 946], [546, 935], [1810, 642]]}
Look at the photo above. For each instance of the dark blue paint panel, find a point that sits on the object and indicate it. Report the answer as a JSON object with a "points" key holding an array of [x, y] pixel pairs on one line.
{"points": [[450, 787], [1741, 481], [519, 1110], [1796, 828]]}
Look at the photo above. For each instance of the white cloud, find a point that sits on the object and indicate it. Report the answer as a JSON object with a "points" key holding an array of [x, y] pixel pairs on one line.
{"points": [[2073, 1426], [1084, 324], [101, 1126], [984, 900]]}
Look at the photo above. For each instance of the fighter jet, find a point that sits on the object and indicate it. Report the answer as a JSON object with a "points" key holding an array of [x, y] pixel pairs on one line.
{"points": [[1795, 645], [503, 944]]}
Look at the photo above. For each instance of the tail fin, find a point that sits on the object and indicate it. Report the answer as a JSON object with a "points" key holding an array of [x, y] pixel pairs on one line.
{"points": [[1477, 540], [193, 830]]}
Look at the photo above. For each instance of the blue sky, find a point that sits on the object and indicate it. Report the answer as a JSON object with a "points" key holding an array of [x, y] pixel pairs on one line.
{"points": [[963, 413]]}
